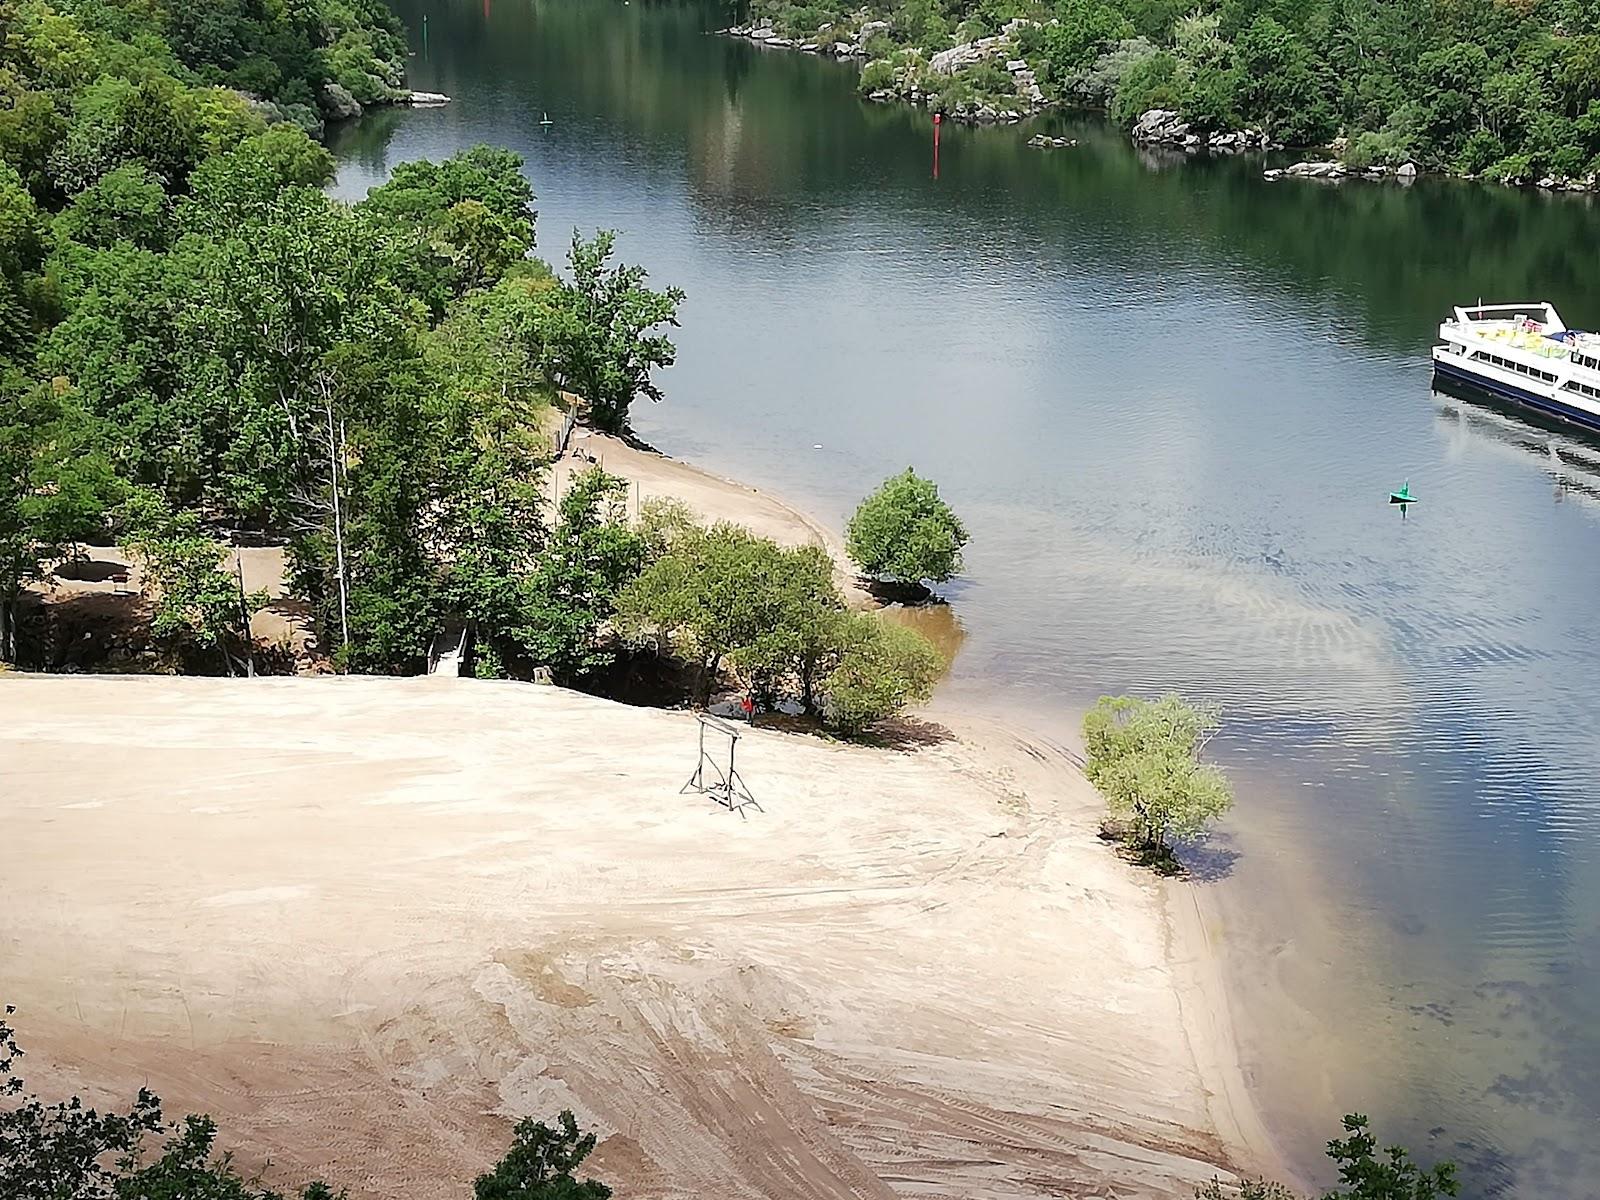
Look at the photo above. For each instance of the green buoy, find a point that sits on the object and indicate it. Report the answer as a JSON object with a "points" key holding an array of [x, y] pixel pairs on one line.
{"points": [[1403, 496]]}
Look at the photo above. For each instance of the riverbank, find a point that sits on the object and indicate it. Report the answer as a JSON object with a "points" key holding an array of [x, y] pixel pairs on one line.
{"points": [[366, 923], [953, 987]]}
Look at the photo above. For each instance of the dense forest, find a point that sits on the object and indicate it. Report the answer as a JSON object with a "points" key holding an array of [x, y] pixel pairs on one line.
{"points": [[1507, 89], [198, 341]]}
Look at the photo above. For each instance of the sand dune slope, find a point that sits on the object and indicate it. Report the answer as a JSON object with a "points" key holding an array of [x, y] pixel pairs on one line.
{"points": [[366, 923]]}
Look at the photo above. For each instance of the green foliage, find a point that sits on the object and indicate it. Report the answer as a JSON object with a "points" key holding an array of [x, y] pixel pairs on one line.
{"points": [[154, 123], [716, 594], [724, 596], [54, 489], [184, 311], [125, 205], [197, 603], [1144, 756], [1367, 1174], [472, 217], [573, 587], [1458, 85], [881, 668], [905, 533], [1146, 83], [599, 332], [540, 1165], [1083, 30]]}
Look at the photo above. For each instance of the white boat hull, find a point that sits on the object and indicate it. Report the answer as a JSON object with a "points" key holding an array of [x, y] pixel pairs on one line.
{"points": [[1532, 361]]}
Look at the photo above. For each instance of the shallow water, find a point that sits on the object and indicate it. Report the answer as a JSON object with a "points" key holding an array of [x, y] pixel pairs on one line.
{"points": [[1170, 400]]}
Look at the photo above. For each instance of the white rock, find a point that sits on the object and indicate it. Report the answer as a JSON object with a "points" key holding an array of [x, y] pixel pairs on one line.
{"points": [[1407, 170]]}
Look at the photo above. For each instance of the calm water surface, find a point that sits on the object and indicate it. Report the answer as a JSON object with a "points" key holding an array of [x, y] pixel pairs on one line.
{"points": [[1170, 400]]}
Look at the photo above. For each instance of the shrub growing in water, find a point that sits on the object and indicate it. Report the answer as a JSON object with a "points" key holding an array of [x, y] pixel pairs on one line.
{"points": [[1144, 756], [904, 533]]}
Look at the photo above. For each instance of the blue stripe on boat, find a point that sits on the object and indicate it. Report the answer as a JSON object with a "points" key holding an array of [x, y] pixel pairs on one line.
{"points": [[1517, 395]]}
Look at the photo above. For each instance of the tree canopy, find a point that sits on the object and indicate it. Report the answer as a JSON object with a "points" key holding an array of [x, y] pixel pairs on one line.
{"points": [[600, 332], [187, 318], [904, 533], [1144, 756], [724, 596]]}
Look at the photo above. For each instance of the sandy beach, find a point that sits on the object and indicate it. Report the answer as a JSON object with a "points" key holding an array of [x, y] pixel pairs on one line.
{"points": [[368, 923]]}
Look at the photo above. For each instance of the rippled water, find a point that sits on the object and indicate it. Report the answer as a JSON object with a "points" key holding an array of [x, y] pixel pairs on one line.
{"points": [[1170, 399]]}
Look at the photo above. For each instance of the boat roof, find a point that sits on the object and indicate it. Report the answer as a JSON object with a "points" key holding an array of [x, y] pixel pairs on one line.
{"points": [[1540, 311]]}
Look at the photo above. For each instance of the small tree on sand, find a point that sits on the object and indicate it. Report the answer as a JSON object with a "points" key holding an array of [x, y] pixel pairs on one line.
{"points": [[904, 534], [1144, 756], [882, 667]]}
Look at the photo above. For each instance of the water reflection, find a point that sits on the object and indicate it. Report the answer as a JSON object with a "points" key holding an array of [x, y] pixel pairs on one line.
{"points": [[939, 623]]}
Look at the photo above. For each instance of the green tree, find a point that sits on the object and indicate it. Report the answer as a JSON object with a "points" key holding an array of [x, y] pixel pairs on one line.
{"points": [[598, 332], [540, 1165], [154, 122], [30, 131], [197, 602], [124, 350], [1144, 756], [882, 667], [242, 185], [801, 640], [54, 490], [1079, 34], [1367, 1174], [719, 594], [124, 205], [574, 582], [23, 239], [904, 533], [471, 216]]}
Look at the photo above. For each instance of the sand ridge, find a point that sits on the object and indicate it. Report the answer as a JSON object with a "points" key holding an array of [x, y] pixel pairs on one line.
{"points": [[366, 923]]}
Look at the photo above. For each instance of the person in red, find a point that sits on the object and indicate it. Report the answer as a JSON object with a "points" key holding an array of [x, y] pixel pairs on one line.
{"points": [[749, 707]]}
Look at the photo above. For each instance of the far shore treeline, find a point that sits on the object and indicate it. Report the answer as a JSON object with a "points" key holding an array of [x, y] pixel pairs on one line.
{"points": [[1509, 91]]}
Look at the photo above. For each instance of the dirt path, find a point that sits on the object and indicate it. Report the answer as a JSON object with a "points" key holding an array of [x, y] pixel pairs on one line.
{"points": [[366, 923]]}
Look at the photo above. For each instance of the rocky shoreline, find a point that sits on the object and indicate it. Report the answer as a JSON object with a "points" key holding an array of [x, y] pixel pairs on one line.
{"points": [[1333, 170], [1164, 127], [916, 79]]}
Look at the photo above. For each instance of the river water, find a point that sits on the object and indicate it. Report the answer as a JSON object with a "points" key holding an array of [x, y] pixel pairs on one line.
{"points": [[1170, 400]]}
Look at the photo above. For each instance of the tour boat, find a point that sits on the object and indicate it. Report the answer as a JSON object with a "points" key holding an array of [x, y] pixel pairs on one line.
{"points": [[1524, 353]]}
